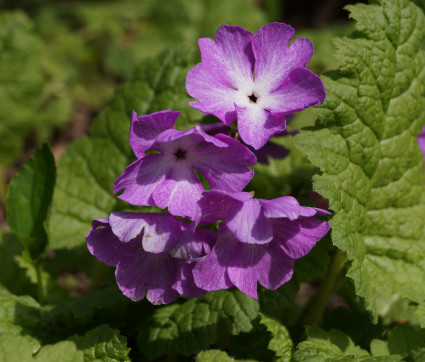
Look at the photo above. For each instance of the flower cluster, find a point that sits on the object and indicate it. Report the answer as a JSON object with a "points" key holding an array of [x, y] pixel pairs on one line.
{"points": [[221, 237]]}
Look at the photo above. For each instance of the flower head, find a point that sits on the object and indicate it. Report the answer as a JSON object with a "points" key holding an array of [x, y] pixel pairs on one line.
{"points": [[256, 78], [259, 240], [166, 178], [153, 254]]}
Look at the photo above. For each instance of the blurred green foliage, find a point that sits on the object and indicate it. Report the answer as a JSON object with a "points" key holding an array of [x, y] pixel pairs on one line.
{"points": [[32, 93]]}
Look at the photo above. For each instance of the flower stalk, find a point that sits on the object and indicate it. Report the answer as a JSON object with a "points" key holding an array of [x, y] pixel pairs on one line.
{"points": [[320, 301], [42, 296]]}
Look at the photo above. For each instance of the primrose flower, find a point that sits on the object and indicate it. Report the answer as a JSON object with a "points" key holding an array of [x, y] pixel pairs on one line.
{"points": [[166, 178], [257, 79], [259, 240], [153, 254]]}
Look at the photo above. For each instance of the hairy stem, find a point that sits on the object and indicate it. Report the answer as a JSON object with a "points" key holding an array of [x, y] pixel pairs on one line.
{"points": [[321, 299]]}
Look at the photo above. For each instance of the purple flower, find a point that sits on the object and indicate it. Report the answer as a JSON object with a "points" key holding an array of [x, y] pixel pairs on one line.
{"points": [[257, 79], [259, 240], [166, 178], [153, 254]]}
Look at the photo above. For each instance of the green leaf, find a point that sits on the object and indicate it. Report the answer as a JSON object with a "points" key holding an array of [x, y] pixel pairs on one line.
{"points": [[372, 170], [281, 342], [194, 325], [89, 167], [29, 196], [215, 355], [63, 351], [332, 346], [401, 340], [86, 307], [15, 348], [20, 316], [18, 349], [103, 343], [418, 355], [13, 275]]}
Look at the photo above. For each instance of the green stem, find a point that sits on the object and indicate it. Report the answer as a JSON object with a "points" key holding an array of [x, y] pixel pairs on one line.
{"points": [[98, 275], [40, 285], [321, 299]]}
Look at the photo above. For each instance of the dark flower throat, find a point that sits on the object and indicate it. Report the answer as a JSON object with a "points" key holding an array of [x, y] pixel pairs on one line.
{"points": [[253, 98], [180, 154]]}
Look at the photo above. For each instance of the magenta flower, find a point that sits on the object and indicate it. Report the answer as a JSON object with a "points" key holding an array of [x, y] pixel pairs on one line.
{"points": [[153, 254], [258, 242], [257, 79], [167, 178]]}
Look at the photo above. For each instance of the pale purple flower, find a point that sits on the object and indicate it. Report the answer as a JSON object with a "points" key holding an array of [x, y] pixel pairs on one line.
{"points": [[166, 178], [258, 241], [257, 79], [154, 254]]}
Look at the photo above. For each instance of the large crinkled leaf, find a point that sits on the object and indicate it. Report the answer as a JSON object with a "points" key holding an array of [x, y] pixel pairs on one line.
{"points": [[334, 345], [103, 343], [20, 316], [365, 146], [280, 342], [89, 167], [28, 200], [196, 324]]}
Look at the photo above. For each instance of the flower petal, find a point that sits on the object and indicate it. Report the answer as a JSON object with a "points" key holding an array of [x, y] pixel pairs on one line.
{"points": [[220, 205], [421, 141], [275, 268], [194, 244], [141, 271], [296, 238], [299, 90], [210, 273], [190, 138], [249, 225], [243, 266], [256, 125], [184, 283], [286, 206], [145, 129], [179, 191], [273, 57], [140, 179], [105, 246], [226, 65], [214, 97], [161, 232], [213, 163]]}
